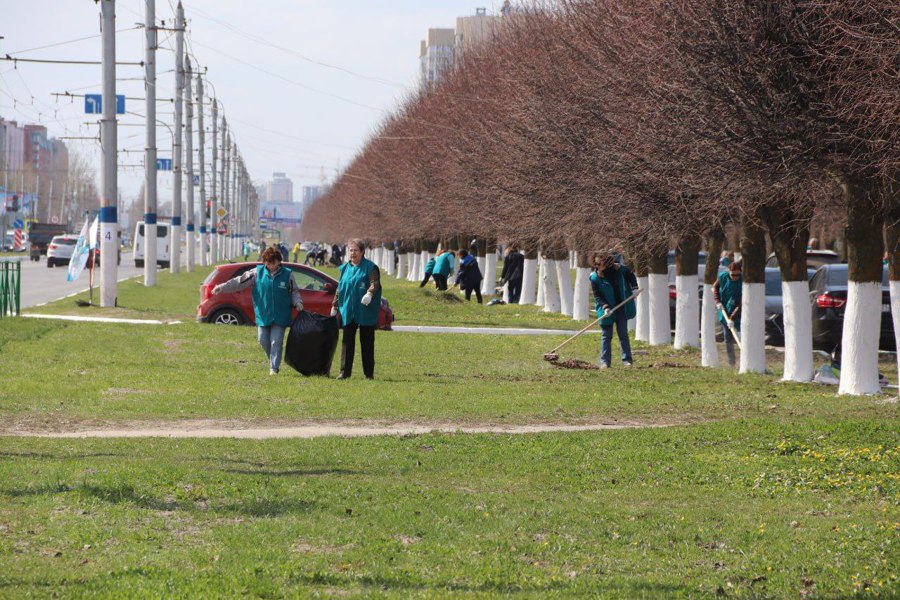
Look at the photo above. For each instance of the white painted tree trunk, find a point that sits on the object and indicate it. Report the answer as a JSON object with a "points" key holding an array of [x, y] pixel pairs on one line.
{"points": [[709, 353], [564, 283], [859, 341], [753, 328], [490, 274], [581, 310], [798, 351], [389, 262], [423, 261], [401, 266], [551, 293], [895, 311], [482, 262], [687, 307], [642, 326], [541, 288], [529, 277], [506, 293], [660, 323], [412, 266]]}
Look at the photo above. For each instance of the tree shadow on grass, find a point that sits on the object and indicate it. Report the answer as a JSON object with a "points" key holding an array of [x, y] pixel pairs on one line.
{"points": [[51, 456], [294, 472]]}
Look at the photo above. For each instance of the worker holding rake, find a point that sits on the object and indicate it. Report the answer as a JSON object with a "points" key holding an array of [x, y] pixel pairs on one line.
{"points": [[613, 283], [727, 293]]}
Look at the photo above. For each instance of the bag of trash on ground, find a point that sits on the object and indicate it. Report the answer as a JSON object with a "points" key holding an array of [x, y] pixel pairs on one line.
{"points": [[311, 343]]}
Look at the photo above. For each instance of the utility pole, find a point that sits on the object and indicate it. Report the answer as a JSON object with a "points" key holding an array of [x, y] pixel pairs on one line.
{"points": [[214, 196], [109, 220], [201, 142], [235, 171], [225, 164], [189, 157], [150, 253], [175, 255]]}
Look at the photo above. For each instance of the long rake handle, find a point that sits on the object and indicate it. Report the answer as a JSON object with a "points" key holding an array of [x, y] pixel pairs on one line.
{"points": [[614, 309]]}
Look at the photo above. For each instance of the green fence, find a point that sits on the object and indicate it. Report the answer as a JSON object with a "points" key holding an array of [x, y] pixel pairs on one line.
{"points": [[10, 287]]}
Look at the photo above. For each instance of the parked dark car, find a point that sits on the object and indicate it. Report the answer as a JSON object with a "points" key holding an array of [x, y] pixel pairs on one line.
{"points": [[828, 293], [814, 259], [775, 306], [316, 290]]}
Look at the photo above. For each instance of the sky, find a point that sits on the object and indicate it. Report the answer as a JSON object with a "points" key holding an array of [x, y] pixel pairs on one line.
{"points": [[293, 108]]}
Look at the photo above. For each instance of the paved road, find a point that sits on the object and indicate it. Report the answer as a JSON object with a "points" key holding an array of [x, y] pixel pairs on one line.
{"points": [[41, 285]]}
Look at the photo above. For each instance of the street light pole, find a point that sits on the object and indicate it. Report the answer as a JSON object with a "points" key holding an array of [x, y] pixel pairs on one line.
{"points": [[150, 254], [201, 142], [109, 220], [175, 255], [191, 239], [214, 196]]}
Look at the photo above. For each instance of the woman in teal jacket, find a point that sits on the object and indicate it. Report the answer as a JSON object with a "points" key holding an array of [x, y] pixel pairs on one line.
{"points": [[358, 300], [612, 283], [274, 292], [429, 269], [727, 293], [443, 266]]}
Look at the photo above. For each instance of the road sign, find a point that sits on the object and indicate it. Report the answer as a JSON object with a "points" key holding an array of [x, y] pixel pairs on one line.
{"points": [[93, 104], [18, 224], [263, 225], [163, 164], [221, 212], [196, 180]]}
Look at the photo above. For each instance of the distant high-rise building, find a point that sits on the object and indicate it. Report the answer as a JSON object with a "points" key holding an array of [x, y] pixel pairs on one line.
{"points": [[311, 193], [280, 189], [12, 149], [261, 192], [436, 55], [474, 30]]}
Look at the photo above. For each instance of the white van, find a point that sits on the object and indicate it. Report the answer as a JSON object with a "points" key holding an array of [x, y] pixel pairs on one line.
{"points": [[163, 244]]}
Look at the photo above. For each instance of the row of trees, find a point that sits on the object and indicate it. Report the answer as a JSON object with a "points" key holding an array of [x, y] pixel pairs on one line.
{"points": [[589, 124]]}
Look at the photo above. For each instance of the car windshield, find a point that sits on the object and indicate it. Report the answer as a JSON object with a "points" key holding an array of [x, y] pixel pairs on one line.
{"points": [[306, 281], [773, 282], [836, 276]]}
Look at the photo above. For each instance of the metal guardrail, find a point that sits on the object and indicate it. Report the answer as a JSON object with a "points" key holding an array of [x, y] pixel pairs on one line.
{"points": [[10, 287]]}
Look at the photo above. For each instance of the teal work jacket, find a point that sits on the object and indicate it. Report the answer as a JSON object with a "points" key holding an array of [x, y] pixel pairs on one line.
{"points": [[604, 295], [352, 286], [272, 297]]}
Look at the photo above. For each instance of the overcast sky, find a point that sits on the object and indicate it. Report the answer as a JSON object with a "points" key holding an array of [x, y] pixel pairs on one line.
{"points": [[279, 122]]}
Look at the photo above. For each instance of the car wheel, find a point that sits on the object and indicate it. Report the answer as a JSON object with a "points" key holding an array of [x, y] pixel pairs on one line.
{"points": [[227, 316]]}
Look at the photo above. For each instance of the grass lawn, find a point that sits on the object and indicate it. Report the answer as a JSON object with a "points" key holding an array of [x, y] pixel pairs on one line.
{"points": [[744, 509], [177, 296], [759, 489]]}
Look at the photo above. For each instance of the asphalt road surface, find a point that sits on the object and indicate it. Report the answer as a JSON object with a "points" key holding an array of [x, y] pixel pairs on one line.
{"points": [[41, 284]]}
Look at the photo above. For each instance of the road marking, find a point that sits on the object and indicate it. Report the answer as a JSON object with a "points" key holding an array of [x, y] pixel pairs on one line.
{"points": [[99, 319], [484, 330]]}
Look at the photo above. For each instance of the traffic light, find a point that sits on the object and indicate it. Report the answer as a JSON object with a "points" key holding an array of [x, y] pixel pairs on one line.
{"points": [[12, 203], [208, 207]]}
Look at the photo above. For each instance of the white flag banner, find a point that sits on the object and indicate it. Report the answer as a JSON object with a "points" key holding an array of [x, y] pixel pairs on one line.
{"points": [[80, 254], [94, 233]]}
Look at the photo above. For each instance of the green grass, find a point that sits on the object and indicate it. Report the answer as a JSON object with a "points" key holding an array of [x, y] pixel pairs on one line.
{"points": [[57, 372], [177, 296], [743, 509]]}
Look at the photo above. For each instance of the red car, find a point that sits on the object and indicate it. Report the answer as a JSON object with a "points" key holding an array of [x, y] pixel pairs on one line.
{"points": [[316, 289]]}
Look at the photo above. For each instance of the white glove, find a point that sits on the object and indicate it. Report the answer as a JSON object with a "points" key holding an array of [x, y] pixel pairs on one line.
{"points": [[367, 299], [299, 306], [606, 312], [334, 311], [720, 307]]}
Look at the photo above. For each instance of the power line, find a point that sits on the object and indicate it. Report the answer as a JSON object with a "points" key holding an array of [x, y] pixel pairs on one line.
{"points": [[90, 37], [15, 60]]}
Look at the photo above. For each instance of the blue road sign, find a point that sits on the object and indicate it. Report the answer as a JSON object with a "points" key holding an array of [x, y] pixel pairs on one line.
{"points": [[18, 224], [93, 104], [163, 164], [196, 180]]}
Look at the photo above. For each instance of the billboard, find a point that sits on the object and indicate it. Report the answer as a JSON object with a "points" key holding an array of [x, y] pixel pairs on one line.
{"points": [[282, 213]]}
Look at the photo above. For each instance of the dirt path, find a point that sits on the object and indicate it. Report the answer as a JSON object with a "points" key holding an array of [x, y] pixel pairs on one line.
{"points": [[243, 430]]}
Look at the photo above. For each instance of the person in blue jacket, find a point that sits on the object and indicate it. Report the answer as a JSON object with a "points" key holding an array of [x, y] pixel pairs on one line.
{"points": [[358, 300], [727, 291], [612, 283], [429, 269], [469, 276], [443, 267], [274, 293]]}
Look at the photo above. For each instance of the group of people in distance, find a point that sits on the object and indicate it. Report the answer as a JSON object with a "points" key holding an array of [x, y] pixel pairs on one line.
{"points": [[356, 304], [469, 276]]}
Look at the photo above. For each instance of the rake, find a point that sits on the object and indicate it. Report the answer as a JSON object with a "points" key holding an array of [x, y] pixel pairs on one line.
{"points": [[552, 356]]}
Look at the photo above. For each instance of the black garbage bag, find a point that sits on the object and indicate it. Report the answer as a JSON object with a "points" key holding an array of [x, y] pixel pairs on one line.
{"points": [[311, 343]]}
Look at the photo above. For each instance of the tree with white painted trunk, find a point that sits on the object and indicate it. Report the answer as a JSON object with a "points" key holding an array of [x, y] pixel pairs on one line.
{"points": [[490, 268], [529, 276], [687, 302], [892, 250], [753, 298], [709, 352], [581, 310], [660, 332]]}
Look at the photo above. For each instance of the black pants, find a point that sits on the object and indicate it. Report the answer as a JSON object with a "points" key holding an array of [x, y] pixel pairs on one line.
{"points": [[515, 290], [477, 294], [367, 345], [441, 281], [424, 281]]}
